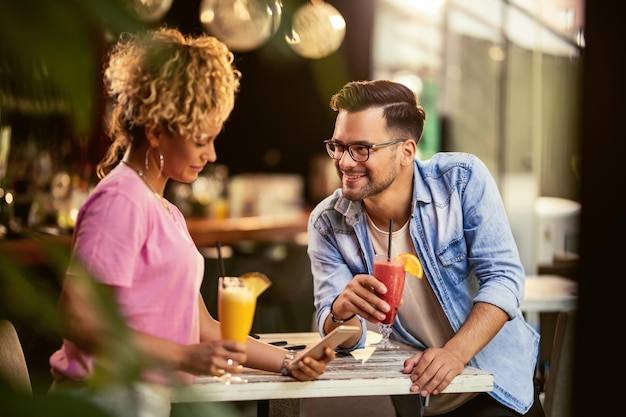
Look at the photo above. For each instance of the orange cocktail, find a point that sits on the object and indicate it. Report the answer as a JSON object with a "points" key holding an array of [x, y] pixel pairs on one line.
{"points": [[236, 306]]}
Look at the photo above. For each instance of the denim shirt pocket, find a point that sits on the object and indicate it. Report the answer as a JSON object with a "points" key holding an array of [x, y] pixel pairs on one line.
{"points": [[452, 258]]}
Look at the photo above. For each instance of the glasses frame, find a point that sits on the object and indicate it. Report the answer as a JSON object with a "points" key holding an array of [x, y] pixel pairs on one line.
{"points": [[369, 148]]}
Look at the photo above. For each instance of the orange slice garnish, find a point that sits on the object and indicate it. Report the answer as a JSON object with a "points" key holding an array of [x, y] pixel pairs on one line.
{"points": [[412, 264], [256, 282]]}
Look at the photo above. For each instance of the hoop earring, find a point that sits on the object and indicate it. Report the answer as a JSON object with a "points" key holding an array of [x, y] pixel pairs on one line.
{"points": [[146, 161]]}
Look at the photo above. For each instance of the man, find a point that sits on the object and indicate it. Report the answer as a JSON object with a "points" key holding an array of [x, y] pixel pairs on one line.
{"points": [[448, 212]]}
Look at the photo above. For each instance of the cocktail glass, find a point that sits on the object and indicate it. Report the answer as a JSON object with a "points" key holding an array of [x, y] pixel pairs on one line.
{"points": [[236, 304], [391, 273]]}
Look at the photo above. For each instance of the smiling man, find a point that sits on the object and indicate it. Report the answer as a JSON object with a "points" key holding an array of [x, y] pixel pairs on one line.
{"points": [[447, 211]]}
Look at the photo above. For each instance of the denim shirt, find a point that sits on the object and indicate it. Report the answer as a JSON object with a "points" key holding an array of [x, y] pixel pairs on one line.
{"points": [[462, 236]]}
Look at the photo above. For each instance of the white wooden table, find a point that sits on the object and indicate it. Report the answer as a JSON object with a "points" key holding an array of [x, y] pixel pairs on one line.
{"points": [[364, 372], [548, 294]]}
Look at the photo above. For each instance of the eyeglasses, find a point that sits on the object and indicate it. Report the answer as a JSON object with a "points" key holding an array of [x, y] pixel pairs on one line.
{"points": [[357, 151]]}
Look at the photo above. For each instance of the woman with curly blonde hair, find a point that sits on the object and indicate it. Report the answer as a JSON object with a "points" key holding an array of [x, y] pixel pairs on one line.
{"points": [[171, 96]]}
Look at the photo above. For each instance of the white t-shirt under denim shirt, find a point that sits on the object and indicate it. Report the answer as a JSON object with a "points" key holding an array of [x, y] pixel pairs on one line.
{"points": [[420, 314]]}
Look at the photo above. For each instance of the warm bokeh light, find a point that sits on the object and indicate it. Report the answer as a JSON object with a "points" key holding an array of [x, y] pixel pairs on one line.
{"points": [[150, 10], [242, 24], [317, 30], [410, 79]]}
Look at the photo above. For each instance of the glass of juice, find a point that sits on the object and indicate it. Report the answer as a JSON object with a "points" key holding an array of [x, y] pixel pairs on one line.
{"points": [[391, 273], [236, 304]]}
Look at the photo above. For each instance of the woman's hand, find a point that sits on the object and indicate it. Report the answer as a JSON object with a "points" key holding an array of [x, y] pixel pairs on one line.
{"points": [[309, 369], [214, 357]]}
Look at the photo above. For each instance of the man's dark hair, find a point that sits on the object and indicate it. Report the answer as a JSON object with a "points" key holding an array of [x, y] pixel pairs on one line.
{"points": [[400, 104]]}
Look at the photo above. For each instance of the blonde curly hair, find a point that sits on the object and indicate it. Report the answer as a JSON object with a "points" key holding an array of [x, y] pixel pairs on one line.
{"points": [[163, 77]]}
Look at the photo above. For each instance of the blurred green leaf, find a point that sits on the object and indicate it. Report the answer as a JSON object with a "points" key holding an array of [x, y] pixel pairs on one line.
{"points": [[26, 299]]}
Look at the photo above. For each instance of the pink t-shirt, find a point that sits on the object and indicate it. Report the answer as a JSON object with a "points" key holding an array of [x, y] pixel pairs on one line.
{"points": [[127, 239]]}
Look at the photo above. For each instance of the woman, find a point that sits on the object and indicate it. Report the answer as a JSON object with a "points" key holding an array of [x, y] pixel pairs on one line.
{"points": [[171, 97]]}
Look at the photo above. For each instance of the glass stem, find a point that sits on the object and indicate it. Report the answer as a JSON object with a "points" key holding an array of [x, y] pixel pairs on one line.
{"points": [[385, 331]]}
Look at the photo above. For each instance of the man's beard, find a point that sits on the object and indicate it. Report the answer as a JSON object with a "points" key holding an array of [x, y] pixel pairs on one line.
{"points": [[357, 193]]}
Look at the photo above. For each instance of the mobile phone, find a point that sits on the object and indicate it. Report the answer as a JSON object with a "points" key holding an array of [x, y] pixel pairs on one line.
{"points": [[332, 340]]}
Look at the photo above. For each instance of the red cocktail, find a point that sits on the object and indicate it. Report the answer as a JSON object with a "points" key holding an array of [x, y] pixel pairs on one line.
{"points": [[391, 273]]}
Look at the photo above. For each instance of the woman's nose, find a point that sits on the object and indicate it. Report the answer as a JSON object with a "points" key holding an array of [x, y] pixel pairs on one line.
{"points": [[209, 154]]}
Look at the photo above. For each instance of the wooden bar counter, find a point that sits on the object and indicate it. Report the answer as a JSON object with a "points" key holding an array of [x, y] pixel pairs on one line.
{"points": [[33, 249], [206, 231]]}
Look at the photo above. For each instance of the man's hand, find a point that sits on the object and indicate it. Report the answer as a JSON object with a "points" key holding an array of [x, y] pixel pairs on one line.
{"points": [[432, 370], [360, 297]]}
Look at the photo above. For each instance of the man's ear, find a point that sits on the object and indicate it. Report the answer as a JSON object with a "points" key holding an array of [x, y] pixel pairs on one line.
{"points": [[409, 150]]}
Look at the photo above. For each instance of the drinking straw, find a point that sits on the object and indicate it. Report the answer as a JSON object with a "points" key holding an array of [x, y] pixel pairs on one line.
{"points": [[220, 260], [389, 244]]}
